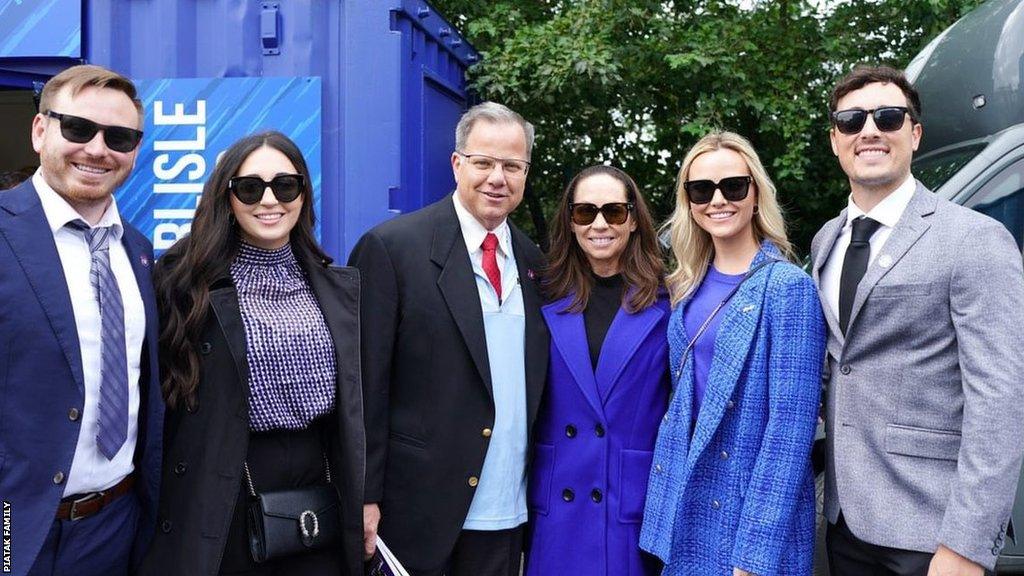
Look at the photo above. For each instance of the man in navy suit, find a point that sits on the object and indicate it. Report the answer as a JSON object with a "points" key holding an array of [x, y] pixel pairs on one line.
{"points": [[80, 407]]}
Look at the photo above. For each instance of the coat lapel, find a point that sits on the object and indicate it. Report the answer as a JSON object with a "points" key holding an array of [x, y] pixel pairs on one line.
{"points": [[458, 286], [224, 301], [909, 229], [732, 345], [27, 231], [625, 335], [570, 337], [536, 330], [829, 234]]}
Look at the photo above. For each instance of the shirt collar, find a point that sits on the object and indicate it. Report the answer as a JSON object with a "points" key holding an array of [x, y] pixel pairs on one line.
{"points": [[59, 212], [890, 209], [473, 232]]}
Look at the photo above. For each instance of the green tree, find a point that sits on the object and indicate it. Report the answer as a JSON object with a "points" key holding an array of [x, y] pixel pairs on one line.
{"points": [[636, 82]]}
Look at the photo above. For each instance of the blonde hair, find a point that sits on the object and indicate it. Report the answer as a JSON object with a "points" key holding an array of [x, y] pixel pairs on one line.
{"points": [[692, 245], [82, 76]]}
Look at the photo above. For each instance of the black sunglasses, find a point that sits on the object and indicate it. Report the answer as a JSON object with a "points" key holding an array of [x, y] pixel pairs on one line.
{"points": [[734, 189], [584, 214], [82, 130], [886, 118], [250, 189]]}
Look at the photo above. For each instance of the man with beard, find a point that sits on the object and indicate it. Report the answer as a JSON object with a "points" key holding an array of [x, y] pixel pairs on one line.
{"points": [[80, 407]]}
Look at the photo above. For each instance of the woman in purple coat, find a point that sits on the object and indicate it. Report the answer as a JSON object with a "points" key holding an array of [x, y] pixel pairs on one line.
{"points": [[607, 382]]}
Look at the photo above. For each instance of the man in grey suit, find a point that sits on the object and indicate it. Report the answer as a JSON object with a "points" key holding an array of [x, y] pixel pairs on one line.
{"points": [[925, 305]]}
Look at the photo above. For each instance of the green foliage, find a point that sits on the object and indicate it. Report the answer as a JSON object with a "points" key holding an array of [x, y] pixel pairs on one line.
{"points": [[637, 82]]}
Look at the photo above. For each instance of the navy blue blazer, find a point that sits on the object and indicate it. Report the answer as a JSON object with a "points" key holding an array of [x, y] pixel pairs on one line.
{"points": [[41, 378]]}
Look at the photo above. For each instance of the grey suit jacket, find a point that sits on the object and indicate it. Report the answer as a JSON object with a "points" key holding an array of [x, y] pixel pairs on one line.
{"points": [[926, 391]]}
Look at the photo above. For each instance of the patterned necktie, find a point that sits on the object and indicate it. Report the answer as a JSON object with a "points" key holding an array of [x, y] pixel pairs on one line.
{"points": [[490, 264], [854, 265], [113, 405]]}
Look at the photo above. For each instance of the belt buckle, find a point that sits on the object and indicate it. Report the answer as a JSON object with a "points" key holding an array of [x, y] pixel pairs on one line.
{"points": [[73, 515]]}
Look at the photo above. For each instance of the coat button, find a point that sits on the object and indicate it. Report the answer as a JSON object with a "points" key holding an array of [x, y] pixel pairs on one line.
{"points": [[180, 468], [716, 504], [724, 455], [568, 495], [73, 414], [165, 526], [599, 431], [730, 404], [995, 551], [205, 348], [486, 432], [845, 369], [58, 478], [596, 495], [570, 431], [473, 481]]}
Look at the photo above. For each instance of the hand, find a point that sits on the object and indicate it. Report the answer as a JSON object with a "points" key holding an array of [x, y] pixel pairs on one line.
{"points": [[371, 518], [741, 572], [948, 563]]}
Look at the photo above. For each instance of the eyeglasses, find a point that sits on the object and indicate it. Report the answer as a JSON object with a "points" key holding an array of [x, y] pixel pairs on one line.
{"points": [[886, 118], [82, 130], [584, 214], [250, 189], [485, 163], [734, 189]]}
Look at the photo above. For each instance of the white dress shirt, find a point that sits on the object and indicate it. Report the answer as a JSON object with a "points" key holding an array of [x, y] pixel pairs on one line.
{"points": [[90, 469], [887, 212]]}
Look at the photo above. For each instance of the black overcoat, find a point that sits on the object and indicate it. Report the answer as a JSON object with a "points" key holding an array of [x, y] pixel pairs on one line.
{"points": [[205, 447]]}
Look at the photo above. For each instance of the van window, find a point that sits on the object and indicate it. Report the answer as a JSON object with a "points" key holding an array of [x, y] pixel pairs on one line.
{"points": [[1002, 198], [934, 170]]}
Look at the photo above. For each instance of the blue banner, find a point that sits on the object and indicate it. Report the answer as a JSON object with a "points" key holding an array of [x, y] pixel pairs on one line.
{"points": [[189, 122], [46, 28]]}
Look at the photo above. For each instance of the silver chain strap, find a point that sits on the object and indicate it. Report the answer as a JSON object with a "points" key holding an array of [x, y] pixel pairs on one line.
{"points": [[252, 489]]}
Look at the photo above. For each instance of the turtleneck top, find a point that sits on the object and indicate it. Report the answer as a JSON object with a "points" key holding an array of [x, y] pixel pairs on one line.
{"points": [[602, 306], [292, 369]]}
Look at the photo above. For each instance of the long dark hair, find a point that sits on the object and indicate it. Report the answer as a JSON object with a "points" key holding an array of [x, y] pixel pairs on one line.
{"points": [[568, 270], [184, 274]]}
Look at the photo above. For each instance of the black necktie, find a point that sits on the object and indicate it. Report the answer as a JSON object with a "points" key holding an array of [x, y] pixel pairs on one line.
{"points": [[854, 265]]}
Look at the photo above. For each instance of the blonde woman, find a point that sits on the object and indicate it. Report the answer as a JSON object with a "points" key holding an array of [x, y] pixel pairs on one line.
{"points": [[731, 489]]}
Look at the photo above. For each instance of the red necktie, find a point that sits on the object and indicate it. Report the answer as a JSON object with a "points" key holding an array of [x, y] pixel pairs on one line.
{"points": [[490, 247]]}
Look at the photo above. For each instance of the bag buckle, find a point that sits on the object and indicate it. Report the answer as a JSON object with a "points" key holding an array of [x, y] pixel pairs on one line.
{"points": [[307, 517]]}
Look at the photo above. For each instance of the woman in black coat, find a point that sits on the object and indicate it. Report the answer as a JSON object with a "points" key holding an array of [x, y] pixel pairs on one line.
{"points": [[259, 352]]}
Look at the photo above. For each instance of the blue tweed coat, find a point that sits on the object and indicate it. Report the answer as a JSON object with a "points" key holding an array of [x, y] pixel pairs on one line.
{"points": [[740, 491]]}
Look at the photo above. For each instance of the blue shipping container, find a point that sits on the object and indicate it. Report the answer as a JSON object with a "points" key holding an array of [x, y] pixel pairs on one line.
{"points": [[371, 89]]}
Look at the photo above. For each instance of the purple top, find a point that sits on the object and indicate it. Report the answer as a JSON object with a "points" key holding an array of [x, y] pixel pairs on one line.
{"points": [[290, 351], [709, 294]]}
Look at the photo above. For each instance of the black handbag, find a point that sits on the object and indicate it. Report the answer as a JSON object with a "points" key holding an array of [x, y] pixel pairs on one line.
{"points": [[288, 522]]}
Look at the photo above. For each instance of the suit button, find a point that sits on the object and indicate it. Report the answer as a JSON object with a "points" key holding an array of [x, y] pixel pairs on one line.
{"points": [[596, 495], [716, 504], [486, 432], [568, 495], [73, 414], [205, 348], [570, 431], [180, 468], [599, 431], [724, 455], [473, 481], [165, 526], [845, 369], [58, 478]]}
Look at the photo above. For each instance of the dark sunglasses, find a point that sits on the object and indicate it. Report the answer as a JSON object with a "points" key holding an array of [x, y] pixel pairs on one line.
{"points": [[613, 212], [250, 189], [886, 118], [82, 130], [734, 189]]}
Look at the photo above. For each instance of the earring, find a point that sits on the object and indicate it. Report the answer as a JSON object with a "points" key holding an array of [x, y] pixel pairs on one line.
{"points": [[757, 209]]}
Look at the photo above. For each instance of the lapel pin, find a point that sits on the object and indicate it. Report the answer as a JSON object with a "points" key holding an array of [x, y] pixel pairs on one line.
{"points": [[531, 274], [748, 308], [144, 260], [885, 260]]}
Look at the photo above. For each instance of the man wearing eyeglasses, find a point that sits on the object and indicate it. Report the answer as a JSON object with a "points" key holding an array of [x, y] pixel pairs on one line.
{"points": [[454, 362], [81, 414], [925, 305]]}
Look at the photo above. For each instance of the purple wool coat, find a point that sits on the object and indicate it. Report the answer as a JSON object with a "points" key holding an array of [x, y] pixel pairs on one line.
{"points": [[594, 444]]}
